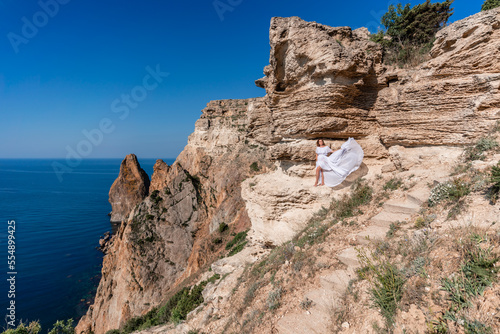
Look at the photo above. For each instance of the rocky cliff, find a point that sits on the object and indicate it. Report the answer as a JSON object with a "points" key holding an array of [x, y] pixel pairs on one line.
{"points": [[129, 189], [322, 82]]}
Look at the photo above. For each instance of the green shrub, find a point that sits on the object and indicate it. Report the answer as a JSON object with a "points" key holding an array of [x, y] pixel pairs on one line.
{"points": [[113, 331], [255, 167], [490, 4], [33, 328], [495, 179], [478, 271], [393, 228], [188, 302], [476, 327], [274, 297], [174, 310], [451, 191], [476, 152], [410, 32], [393, 184], [387, 284], [214, 278], [348, 206], [155, 197], [236, 249], [63, 327], [237, 238], [223, 227]]}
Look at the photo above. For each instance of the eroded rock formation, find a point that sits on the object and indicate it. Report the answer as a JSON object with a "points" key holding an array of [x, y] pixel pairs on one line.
{"points": [[167, 237], [322, 82], [129, 189]]}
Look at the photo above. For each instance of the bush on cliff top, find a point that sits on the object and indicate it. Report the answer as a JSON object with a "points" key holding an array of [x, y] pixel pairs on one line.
{"points": [[490, 4], [410, 32]]}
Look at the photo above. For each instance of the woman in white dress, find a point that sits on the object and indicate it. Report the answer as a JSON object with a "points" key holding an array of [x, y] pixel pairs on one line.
{"points": [[334, 169], [321, 150]]}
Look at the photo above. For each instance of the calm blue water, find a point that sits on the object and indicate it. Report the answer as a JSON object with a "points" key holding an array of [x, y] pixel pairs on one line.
{"points": [[58, 229]]}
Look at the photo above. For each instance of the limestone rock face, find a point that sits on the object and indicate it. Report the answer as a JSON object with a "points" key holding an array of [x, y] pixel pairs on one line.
{"points": [[331, 83], [161, 176], [168, 237], [322, 82], [319, 79], [148, 254], [129, 189], [453, 98]]}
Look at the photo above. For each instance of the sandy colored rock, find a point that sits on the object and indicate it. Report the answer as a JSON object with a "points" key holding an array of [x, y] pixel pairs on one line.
{"points": [[250, 163], [148, 254], [161, 176], [129, 189]]}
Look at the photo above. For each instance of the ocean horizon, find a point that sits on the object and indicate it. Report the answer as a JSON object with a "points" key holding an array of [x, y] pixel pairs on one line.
{"points": [[58, 227]]}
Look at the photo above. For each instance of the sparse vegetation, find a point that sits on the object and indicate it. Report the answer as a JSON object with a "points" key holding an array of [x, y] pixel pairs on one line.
{"points": [[306, 304], [273, 300], [387, 284], [349, 205], [393, 184], [476, 152], [254, 167], [155, 197], [237, 243], [223, 227], [424, 221], [495, 179], [393, 228], [490, 4], [453, 194], [60, 327], [478, 270], [174, 310]]}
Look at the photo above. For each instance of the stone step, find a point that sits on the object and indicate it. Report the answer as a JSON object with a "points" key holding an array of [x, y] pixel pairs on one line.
{"points": [[372, 233], [384, 218], [337, 280], [349, 257], [419, 195], [398, 206]]}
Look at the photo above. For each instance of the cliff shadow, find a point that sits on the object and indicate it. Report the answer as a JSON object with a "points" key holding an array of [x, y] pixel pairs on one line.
{"points": [[359, 173], [368, 92]]}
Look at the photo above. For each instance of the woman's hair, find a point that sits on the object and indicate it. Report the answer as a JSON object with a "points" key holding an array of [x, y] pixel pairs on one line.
{"points": [[317, 142]]}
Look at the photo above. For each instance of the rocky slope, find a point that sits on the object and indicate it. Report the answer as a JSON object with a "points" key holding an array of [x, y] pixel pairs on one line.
{"points": [[322, 82]]}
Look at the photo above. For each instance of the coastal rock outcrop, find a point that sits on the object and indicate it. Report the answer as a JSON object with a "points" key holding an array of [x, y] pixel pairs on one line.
{"points": [[168, 236], [148, 254], [129, 189], [322, 82], [332, 83]]}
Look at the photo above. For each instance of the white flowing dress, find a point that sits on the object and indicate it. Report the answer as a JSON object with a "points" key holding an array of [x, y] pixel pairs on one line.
{"points": [[341, 163]]}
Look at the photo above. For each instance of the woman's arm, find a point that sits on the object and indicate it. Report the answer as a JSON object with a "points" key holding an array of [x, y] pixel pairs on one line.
{"points": [[316, 156], [329, 151]]}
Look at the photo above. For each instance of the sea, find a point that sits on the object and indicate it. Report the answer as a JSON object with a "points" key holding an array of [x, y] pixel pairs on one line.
{"points": [[58, 224]]}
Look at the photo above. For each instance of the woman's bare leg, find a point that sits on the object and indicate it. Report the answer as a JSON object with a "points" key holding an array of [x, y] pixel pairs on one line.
{"points": [[318, 171], [322, 178]]}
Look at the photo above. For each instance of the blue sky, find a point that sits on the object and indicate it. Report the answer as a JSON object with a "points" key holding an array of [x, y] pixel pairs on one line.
{"points": [[61, 73]]}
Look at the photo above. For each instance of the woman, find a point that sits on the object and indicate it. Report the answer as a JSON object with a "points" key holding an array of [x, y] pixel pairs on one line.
{"points": [[321, 150], [334, 169]]}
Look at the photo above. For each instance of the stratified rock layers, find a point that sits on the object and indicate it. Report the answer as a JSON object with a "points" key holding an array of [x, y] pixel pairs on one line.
{"points": [[322, 82]]}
